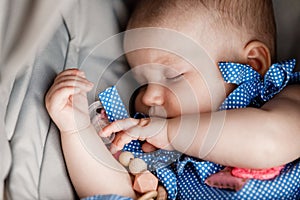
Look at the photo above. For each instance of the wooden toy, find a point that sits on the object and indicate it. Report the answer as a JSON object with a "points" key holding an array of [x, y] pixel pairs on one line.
{"points": [[125, 157], [149, 195], [145, 182], [137, 166]]}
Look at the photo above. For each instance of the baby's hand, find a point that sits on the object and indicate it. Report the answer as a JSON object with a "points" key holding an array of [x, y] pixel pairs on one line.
{"points": [[66, 101], [153, 130]]}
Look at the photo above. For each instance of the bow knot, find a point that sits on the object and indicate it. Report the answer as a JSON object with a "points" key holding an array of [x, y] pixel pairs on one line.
{"points": [[276, 78], [252, 86]]}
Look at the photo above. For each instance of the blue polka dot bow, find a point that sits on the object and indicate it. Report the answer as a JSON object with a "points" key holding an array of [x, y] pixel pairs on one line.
{"points": [[253, 89]]}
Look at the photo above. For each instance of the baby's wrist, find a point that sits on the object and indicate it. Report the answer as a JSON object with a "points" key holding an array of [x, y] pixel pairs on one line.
{"points": [[75, 130]]}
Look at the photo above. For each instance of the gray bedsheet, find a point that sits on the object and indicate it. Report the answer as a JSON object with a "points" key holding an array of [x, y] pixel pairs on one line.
{"points": [[39, 39]]}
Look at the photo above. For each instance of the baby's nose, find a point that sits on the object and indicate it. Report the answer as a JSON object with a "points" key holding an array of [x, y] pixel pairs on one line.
{"points": [[154, 95]]}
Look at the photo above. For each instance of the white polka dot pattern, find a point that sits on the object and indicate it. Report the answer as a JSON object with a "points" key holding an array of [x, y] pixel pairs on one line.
{"points": [[113, 104], [253, 89], [184, 178]]}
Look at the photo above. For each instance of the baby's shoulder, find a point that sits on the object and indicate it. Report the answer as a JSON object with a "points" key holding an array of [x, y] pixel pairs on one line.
{"points": [[291, 92]]}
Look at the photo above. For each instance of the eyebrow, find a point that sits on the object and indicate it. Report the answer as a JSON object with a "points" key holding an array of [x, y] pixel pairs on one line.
{"points": [[167, 59]]}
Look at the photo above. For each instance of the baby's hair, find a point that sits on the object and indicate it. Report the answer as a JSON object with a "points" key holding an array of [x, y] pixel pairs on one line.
{"points": [[254, 17]]}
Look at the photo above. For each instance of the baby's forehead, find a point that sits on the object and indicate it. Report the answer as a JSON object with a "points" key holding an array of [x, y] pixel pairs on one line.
{"points": [[167, 62], [165, 46], [150, 55]]}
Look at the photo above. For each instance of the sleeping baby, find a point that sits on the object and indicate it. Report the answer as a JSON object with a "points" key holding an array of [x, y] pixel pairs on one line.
{"points": [[239, 39]]}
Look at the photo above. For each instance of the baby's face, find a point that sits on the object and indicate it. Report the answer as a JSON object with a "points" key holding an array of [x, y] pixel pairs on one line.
{"points": [[177, 85], [174, 86]]}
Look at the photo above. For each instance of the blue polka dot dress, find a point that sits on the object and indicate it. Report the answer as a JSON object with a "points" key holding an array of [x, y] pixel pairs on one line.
{"points": [[184, 176]]}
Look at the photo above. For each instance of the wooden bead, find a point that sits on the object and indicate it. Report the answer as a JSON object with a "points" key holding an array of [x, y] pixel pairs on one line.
{"points": [[125, 157], [145, 182], [148, 195], [161, 193], [137, 165]]}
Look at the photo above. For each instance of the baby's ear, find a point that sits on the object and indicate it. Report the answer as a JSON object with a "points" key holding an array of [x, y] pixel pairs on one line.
{"points": [[258, 56]]}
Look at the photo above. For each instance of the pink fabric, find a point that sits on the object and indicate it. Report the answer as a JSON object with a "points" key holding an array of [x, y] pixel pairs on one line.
{"points": [[225, 180], [261, 174], [236, 178]]}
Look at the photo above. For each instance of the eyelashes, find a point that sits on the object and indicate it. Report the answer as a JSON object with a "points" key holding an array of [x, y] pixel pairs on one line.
{"points": [[175, 78]]}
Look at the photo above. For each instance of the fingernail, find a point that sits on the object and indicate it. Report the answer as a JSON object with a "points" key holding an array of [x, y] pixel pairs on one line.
{"points": [[100, 133], [81, 73]]}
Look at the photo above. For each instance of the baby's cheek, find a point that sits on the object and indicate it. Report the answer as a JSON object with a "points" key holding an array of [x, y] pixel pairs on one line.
{"points": [[174, 107], [139, 106]]}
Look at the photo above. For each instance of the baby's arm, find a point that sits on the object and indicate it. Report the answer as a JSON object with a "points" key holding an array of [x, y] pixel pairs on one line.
{"points": [[247, 138], [92, 168], [250, 137]]}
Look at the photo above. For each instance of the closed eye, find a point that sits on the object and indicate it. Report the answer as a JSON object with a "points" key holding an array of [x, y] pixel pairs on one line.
{"points": [[175, 78]]}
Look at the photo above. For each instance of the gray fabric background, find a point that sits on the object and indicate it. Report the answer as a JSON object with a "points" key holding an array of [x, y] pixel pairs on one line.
{"points": [[39, 39], [287, 13]]}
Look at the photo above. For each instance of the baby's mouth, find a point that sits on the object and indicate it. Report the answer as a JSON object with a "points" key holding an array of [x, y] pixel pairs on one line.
{"points": [[158, 111]]}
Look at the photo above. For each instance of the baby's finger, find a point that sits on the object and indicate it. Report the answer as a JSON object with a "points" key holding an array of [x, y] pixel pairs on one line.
{"points": [[59, 88], [81, 83], [118, 125], [73, 78], [58, 100], [121, 139], [74, 72]]}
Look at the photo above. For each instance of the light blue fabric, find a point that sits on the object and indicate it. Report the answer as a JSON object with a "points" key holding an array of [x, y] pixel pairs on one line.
{"points": [[184, 178]]}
